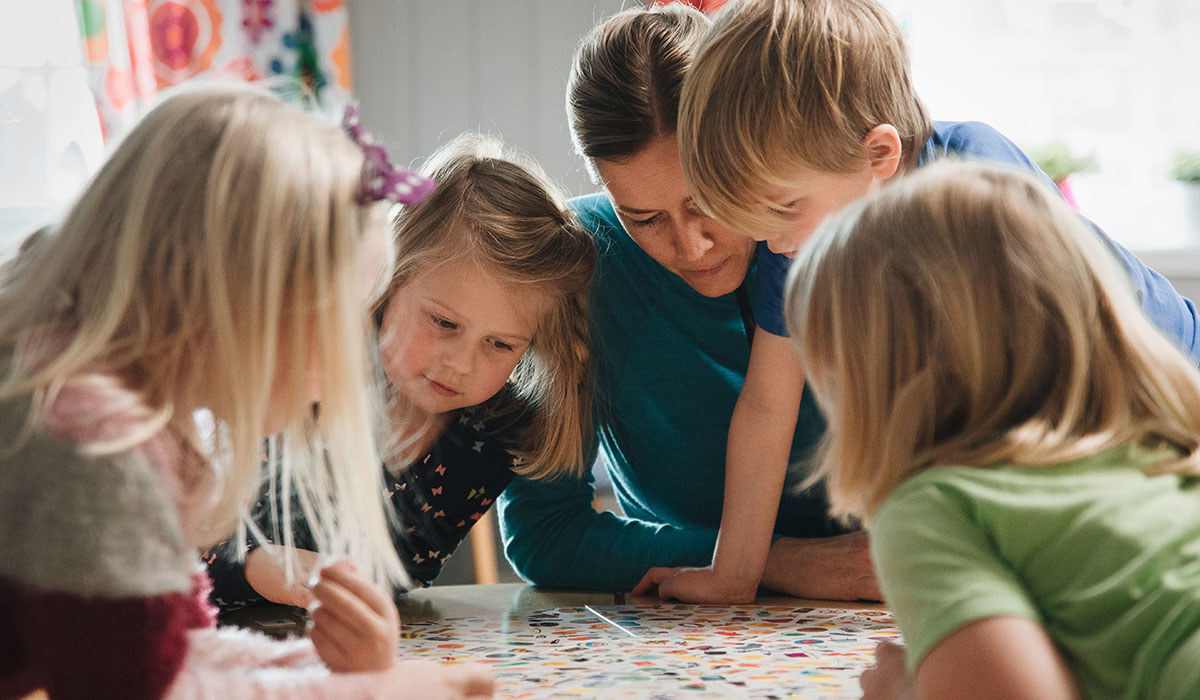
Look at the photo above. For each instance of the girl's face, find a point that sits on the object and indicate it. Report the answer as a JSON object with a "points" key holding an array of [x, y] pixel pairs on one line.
{"points": [[452, 336]]}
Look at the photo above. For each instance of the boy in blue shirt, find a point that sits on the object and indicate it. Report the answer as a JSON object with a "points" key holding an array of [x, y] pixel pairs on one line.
{"points": [[792, 110]]}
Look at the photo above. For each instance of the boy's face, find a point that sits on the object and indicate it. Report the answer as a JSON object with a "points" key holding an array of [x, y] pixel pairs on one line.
{"points": [[810, 196], [657, 211]]}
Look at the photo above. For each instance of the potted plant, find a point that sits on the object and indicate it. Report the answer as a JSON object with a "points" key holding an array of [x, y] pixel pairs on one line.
{"points": [[1185, 168], [1056, 160]]}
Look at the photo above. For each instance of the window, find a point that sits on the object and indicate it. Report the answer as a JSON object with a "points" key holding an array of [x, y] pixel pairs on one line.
{"points": [[1116, 78], [49, 129]]}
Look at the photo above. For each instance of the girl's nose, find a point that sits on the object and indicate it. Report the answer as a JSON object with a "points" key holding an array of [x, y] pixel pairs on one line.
{"points": [[458, 358]]}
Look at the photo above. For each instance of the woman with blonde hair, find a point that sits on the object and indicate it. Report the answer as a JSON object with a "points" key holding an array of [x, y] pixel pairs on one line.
{"points": [[1020, 440], [220, 264]]}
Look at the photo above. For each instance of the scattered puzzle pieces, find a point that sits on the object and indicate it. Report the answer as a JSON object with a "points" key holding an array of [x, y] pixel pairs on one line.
{"points": [[668, 651]]}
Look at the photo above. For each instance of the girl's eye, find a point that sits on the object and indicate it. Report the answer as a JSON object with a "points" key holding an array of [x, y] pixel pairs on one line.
{"points": [[442, 322], [641, 223], [501, 345]]}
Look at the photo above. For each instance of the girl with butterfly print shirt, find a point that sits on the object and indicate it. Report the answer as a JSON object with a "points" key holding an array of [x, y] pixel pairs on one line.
{"points": [[483, 341]]}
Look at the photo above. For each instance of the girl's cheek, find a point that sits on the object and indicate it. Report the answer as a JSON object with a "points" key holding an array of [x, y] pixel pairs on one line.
{"points": [[395, 363]]}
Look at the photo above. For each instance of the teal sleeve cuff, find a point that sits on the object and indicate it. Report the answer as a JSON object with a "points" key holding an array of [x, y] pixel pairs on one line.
{"points": [[553, 537]]}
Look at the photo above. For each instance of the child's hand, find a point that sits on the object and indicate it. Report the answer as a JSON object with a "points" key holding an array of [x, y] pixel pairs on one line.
{"points": [[355, 624], [695, 585], [425, 680], [265, 574], [887, 679]]}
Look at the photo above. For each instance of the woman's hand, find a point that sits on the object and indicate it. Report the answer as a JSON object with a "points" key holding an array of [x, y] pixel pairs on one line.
{"points": [[694, 585], [355, 625]]}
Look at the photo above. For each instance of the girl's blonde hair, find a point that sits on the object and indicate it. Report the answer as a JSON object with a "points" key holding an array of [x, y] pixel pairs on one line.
{"points": [[780, 84], [499, 209], [627, 73], [966, 316], [218, 246]]}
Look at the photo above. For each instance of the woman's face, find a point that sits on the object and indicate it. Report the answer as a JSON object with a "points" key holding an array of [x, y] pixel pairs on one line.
{"points": [[649, 195], [452, 336]]}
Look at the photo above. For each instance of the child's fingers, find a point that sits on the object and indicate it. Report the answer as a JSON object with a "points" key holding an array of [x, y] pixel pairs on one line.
{"points": [[888, 652], [265, 573], [369, 645], [345, 637], [475, 682], [332, 653], [374, 596], [337, 601]]}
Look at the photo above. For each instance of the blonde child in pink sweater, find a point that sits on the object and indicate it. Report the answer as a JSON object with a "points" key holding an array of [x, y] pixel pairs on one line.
{"points": [[221, 263]]}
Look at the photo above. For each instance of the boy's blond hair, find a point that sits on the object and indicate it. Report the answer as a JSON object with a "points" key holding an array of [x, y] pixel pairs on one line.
{"points": [[498, 208], [219, 246], [780, 84], [965, 316]]}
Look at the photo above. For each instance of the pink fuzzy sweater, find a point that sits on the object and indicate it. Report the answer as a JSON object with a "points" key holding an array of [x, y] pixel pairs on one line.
{"points": [[101, 593]]}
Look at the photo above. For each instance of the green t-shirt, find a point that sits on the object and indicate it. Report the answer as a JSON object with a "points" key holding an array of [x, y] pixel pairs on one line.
{"points": [[1104, 557]]}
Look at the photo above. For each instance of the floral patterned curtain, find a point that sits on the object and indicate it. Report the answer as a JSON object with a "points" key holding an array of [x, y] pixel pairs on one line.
{"points": [[133, 48], [706, 6]]}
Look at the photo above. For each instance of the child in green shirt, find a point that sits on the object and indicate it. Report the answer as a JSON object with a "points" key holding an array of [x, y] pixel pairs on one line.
{"points": [[1021, 442]]}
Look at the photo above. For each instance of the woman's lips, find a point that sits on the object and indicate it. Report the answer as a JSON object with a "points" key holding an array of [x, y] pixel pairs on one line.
{"points": [[709, 271]]}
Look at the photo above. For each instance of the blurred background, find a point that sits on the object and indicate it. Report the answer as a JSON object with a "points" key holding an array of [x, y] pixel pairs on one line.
{"points": [[1105, 93]]}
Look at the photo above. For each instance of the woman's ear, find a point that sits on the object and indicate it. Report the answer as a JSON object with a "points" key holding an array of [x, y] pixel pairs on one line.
{"points": [[882, 149]]}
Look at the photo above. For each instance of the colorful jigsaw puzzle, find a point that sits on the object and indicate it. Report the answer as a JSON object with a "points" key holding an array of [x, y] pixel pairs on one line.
{"points": [[663, 651]]}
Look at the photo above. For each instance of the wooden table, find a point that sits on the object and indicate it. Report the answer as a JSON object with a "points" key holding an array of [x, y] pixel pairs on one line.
{"points": [[492, 600], [441, 602]]}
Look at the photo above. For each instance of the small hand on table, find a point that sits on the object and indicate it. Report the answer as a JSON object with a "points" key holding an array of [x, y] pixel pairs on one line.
{"points": [[888, 679], [355, 623]]}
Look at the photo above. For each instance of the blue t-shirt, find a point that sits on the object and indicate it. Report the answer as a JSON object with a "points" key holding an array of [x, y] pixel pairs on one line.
{"points": [[1173, 314]]}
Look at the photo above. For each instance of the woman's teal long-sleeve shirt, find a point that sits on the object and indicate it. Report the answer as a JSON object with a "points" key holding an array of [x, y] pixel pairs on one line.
{"points": [[669, 364]]}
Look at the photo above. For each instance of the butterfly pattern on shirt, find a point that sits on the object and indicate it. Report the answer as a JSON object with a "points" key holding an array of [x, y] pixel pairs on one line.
{"points": [[442, 495]]}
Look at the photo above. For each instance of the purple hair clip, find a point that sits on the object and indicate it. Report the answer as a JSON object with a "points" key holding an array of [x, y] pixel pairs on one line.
{"points": [[380, 179]]}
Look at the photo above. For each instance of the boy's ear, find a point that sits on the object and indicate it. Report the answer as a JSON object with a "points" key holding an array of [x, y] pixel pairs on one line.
{"points": [[882, 150]]}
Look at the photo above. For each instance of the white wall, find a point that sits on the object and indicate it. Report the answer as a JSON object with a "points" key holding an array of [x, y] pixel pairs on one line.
{"points": [[425, 70]]}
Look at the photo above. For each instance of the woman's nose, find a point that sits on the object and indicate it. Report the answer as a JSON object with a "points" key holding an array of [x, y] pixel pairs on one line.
{"points": [[692, 241]]}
